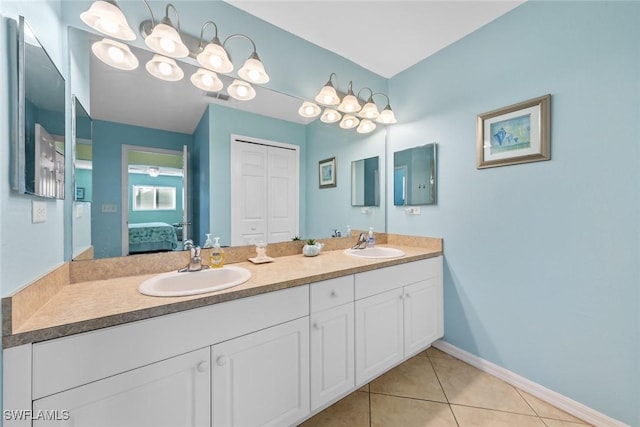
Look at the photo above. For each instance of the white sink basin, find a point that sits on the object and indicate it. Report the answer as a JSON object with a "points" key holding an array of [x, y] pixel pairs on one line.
{"points": [[377, 252], [176, 284]]}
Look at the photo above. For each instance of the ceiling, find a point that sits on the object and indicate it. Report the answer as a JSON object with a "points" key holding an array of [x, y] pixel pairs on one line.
{"points": [[406, 31]]}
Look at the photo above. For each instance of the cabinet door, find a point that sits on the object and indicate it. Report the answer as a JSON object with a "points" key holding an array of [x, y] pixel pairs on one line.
{"points": [[332, 354], [423, 323], [262, 379], [379, 338], [174, 392]]}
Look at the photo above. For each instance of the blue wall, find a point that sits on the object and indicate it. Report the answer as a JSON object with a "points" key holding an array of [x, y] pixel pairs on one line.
{"points": [[328, 140], [542, 259], [108, 139], [199, 167]]}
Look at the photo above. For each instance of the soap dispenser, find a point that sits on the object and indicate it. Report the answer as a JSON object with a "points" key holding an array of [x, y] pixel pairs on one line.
{"points": [[217, 255], [371, 241]]}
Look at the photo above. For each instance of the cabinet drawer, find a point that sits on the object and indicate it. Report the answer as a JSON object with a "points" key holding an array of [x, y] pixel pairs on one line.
{"points": [[377, 281], [331, 293]]}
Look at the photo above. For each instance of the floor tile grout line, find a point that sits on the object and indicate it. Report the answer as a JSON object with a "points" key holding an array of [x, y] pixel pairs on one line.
{"points": [[438, 378], [527, 402], [497, 410], [408, 397]]}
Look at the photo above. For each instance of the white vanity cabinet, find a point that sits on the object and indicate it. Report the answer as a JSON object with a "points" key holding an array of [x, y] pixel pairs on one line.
{"points": [[332, 340], [398, 312], [173, 392], [262, 379]]}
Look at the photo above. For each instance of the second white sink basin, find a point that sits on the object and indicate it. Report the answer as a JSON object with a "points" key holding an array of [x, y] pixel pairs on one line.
{"points": [[377, 252], [176, 284]]}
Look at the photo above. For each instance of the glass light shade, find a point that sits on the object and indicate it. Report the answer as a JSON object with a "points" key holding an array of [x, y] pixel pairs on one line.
{"points": [[387, 117], [349, 104], [108, 19], [369, 111], [349, 121], [153, 172], [115, 54], [241, 90], [309, 109], [366, 126], [215, 58], [330, 115], [253, 71], [164, 68], [165, 40], [327, 96], [206, 80]]}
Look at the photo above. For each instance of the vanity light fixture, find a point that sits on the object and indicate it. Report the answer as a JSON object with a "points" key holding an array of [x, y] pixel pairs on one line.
{"points": [[350, 105], [330, 115], [164, 68], [115, 54], [349, 121], [168, 41], [309, 109], [153, 171], [206, 80], [107, 18], [241, 90]]}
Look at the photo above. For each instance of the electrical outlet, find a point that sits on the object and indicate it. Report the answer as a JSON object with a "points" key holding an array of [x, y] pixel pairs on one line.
{"points": [[38, 212], [109, 208]]}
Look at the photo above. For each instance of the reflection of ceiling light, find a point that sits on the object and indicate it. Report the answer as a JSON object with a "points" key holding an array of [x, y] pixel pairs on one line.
{"points": [[164, 68], [153, 172], [168, 41], [366, 126], [309, 109], [349, 121], [206, 80], [108, 19], [241, 90], [330, 115], [115, 54], [350, 105]]}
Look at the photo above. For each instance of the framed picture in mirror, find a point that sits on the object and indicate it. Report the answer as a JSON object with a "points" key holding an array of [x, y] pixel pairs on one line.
{"points": [[327, 173]]}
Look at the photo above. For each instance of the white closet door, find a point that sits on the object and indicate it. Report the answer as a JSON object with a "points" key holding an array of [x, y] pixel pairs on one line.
{"points": [[264, 193], [248, 193], [283, 197]]}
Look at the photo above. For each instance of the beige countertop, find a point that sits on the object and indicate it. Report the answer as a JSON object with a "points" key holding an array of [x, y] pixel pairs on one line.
{"points": [[90, 305]]}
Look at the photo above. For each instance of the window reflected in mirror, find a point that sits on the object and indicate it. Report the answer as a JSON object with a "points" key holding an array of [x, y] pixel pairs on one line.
{"points": [[365, 182], [414, 176]]}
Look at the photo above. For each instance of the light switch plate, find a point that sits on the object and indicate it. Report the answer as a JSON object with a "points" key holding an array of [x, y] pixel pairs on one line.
{"points": [[109, 208], [38, 212]]}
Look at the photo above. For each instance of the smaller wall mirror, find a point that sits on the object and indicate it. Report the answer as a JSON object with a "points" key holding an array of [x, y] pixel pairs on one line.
{"points": [[365, 182], [414, 176], [38, 97]]}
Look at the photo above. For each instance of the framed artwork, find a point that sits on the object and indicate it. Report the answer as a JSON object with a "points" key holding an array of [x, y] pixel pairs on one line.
{"points": [[327, 173], [79, 193], [519, 133]]}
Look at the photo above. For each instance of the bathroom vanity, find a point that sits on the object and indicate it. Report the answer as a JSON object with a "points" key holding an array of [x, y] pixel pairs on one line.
{"points": [[299, 335]]}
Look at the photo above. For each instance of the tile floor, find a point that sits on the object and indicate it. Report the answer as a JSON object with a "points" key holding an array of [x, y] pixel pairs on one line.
{"points": [[434, 389]]}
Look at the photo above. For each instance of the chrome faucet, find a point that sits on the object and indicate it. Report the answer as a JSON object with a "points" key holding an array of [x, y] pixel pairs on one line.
{"points": [[362, 242], [195, 264]]}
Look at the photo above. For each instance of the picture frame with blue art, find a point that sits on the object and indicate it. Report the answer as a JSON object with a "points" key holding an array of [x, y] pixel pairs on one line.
{"points": [[327, 173], [519, 133]]}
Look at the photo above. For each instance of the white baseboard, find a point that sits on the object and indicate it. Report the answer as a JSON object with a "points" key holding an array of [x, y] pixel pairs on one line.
{"points": [[556, 399]]}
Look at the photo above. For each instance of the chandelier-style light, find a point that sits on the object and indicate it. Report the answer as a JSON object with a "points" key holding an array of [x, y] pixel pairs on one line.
{"points": [[168, 41], [362, 117]]}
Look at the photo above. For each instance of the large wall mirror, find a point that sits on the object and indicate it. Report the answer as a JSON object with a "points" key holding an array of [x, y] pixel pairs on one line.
{"points": [[365, 182], [38, 101], [134, 108], [414, 176]]}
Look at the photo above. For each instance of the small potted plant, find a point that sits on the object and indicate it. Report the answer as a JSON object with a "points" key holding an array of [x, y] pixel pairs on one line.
{"points": [[312, 248]]}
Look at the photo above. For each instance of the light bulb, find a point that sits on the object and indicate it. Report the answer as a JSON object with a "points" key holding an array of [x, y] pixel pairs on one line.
{"points": [[327, 99], [242, 91], [115, 53], [167, 45], [215, 61], [164, 68], [207, 80], [309, 110], [254, 75], [107, 25]]}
